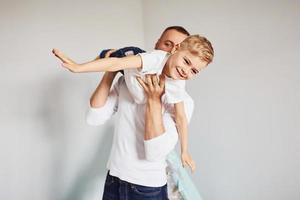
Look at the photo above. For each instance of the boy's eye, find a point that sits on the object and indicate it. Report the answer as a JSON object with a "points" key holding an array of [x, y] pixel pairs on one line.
{"points": [[194, 71], [186, 61]]}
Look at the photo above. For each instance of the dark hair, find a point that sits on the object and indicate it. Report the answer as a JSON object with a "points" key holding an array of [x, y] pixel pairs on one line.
{"points": [[180, 29]]}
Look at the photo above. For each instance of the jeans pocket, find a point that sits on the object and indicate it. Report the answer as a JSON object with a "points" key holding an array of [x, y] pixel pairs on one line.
{"points": [[146, 191], [109, 179]]}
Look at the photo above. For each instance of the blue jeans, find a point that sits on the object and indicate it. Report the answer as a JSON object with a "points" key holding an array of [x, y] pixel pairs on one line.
{"points": [[116, 189]]}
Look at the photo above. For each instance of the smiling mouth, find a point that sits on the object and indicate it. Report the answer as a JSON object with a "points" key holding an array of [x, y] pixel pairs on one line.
{"points": [[181, 76]]}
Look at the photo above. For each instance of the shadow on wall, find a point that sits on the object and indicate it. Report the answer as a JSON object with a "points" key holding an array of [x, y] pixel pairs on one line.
{"points": [[60, 126]]}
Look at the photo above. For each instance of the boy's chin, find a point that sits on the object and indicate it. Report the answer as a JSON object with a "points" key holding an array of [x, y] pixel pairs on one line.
{"points": [[175, 77]]}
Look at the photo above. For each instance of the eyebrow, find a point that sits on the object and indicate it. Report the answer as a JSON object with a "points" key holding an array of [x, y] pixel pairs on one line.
{"points": [[188, 60], [170, 41]]}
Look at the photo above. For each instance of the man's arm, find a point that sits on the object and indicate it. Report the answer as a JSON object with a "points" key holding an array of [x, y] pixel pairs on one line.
{"points": [[161, 134], [101, 108], [153, 119], [103, 101], [154, 89], [101, 93]]}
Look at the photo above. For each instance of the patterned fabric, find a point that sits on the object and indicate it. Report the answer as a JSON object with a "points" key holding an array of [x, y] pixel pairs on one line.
{"points": [[173, 193], [180, 184]]}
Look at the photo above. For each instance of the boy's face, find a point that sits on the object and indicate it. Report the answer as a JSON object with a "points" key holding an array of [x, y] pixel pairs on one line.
{"points": [[169, 39], [182, 65]]}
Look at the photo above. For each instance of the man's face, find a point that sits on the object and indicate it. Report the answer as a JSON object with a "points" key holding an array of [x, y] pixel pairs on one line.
{"points": [[182, 65], [169, 39]]}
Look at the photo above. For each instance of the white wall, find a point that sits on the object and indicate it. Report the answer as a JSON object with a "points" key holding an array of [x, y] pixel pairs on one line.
{"points": [[244, 134], [47, 150]]}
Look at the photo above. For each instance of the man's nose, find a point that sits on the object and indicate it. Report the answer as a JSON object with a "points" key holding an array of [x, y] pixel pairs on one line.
{"points": [[173, 49]]}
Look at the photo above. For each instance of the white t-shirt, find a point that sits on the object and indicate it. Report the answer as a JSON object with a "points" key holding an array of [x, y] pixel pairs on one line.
{"points": [[153, 63], [132, 158]]}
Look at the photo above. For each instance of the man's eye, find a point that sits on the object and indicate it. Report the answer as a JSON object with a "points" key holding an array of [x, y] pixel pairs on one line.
{"points": [[168, 44], [185, 60]]}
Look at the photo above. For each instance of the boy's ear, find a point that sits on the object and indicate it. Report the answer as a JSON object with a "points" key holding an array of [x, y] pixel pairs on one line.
{"points": [[175, 48]]}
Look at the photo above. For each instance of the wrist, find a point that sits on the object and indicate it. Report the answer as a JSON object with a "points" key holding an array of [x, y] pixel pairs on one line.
{"points": [[184, 150], [154, 100], [110, 75], [77, 69]]}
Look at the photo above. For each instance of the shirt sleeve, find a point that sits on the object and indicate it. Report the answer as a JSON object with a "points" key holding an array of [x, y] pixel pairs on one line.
{"points": [[153, 62], [174, 91], [98, 116], [159, 147]]}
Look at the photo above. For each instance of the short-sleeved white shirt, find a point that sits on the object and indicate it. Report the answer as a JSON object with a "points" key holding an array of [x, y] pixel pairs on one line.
{"points": [[153, 63]]}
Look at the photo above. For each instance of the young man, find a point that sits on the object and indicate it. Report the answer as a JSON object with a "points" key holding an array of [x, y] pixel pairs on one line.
{"points": [[167, 42], [137, 165]]}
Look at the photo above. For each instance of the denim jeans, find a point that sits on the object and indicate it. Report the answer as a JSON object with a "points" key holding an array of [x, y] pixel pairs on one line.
{"points": [[116, 189]]}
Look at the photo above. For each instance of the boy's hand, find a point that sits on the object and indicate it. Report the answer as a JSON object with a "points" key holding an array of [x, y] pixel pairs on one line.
{"points": [[60, 55], [71, 67], [186, 159], [67, 62]]}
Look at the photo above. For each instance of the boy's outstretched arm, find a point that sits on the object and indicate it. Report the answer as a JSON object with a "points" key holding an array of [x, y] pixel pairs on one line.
{"points": [[100, 65]]}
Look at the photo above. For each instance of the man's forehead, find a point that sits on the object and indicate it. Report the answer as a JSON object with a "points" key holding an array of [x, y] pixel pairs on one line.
{"points": [[173, 36]]}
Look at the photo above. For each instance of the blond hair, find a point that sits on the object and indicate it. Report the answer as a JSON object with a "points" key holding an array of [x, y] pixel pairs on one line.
{"points": [[198, 46]]}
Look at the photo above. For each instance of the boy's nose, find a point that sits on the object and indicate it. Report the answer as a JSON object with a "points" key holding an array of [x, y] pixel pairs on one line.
{"points": [[184, 71]]}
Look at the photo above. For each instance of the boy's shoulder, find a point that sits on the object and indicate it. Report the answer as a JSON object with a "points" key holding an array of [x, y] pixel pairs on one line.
{"points": [[159, 53], [154, 61]]}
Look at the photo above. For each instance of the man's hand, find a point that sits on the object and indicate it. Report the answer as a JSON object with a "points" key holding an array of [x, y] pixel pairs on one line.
{"points": [[108, 53], [154, 86]]}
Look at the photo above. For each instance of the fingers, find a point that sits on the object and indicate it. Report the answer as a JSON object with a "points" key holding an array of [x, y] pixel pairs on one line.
{"points": [[149, 81], [62, 56], [109, 53], [190, 163], [162, 80], [192, 166], [183, 165], [151, 86], [143, 83], [155, 80]]}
